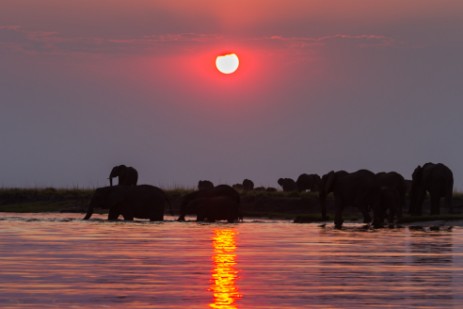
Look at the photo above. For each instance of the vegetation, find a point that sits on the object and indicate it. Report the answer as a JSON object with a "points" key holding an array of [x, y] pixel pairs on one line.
{"points": [[302, 207], [44, 200]]}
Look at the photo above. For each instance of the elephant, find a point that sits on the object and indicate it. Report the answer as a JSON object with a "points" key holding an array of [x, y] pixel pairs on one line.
{"points": [[187, 207], [216, 208], [127, 175], [287, 184], [142, 201], [437, 179], [308, 182], [205, 185], [389, 203], [248, 185], [393, 181], [358, 189]]}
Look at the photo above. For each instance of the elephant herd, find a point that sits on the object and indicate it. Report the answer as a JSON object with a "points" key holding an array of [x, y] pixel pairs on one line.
{"points": [[378, 196], [384, 194], [130, 200]]}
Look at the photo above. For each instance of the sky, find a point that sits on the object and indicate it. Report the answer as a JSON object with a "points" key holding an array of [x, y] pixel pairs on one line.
{"points": [[322, 85]]}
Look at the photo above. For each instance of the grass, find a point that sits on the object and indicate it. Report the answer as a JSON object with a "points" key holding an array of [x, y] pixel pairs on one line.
{"points": [[43, 199]]}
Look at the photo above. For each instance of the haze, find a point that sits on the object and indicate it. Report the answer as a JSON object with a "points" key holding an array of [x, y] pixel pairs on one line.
{"points": [[322, 85]]}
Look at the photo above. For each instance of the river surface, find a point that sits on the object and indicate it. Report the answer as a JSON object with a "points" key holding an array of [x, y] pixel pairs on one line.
{"points": [[60, 261]]}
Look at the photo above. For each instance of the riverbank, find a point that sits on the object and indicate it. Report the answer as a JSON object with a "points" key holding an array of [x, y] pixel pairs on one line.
{"points": [[300, 207]]}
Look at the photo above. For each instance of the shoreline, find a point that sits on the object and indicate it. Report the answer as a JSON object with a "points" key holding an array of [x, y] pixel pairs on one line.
{"points": [[429, 223], [292, 206]]}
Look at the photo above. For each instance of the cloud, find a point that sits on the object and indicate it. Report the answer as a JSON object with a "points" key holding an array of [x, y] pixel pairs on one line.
{"points": [[361, 39], [14, 38], [17, 39]]}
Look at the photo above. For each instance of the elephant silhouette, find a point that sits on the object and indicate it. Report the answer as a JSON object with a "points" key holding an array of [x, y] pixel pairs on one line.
{"points": [[143, 201], [248, 185], [189, 206], [435, 178], [392, 197], [215, 208], [127, 175], [389, 201], [309, 182], [359, 189], [205, 185], [287, 184]]}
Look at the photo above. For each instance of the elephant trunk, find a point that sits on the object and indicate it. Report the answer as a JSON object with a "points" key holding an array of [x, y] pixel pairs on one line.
{"points": [[89, 213], [322, 201], [416, 200], [90, 208], [110, 181]]}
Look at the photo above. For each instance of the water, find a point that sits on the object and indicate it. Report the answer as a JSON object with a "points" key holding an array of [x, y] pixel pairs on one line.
{"points": [[60, 261]]}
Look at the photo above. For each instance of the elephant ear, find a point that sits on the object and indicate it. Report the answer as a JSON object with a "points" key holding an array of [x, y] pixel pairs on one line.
{"points": [[117, 170], [328, 185]]}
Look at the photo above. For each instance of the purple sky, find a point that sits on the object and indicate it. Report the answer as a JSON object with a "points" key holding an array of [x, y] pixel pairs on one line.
{"points": [[323, 85]]}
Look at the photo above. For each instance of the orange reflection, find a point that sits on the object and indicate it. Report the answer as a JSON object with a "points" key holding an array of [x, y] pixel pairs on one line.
{"points": [[224, 273]]}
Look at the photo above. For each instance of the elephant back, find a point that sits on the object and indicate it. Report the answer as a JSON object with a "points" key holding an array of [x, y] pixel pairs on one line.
{"points": [[188, 206], [217, 208], [205, 185]]}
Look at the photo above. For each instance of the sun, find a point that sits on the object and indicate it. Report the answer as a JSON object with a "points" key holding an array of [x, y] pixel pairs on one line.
{"points": [[227, 63]]}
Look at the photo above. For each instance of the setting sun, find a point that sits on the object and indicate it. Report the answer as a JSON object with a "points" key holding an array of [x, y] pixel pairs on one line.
{"points": [[228, 63]]}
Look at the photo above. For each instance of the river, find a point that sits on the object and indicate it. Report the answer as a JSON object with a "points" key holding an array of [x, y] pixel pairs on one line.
{"points": [[60, 261]]}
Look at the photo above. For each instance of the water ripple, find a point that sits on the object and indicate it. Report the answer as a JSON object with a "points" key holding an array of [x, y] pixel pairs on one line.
{"points": [[59, 260]]}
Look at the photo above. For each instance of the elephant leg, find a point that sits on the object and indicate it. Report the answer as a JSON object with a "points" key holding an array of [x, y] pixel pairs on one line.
{"points": [[435, 204], [415, 209], [364, 210], [323, 210], [112, 214], [338, 215], [448, 202], [393, 214], [378, 216], [412, 209], [419, 206], [322, 202], [157, 218], [362, 203], [232, 219], [416, 202], [400, 207], [366, 215]]}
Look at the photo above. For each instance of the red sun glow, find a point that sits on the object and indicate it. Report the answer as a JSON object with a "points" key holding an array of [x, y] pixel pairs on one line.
{"points": [[227, 63]]}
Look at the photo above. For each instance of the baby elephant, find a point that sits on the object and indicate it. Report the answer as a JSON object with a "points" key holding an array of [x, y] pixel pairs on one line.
{"points": [[216, 208]]}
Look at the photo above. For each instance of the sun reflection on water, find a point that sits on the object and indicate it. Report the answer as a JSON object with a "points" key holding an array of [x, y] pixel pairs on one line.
{"points": [[224, 273]]}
